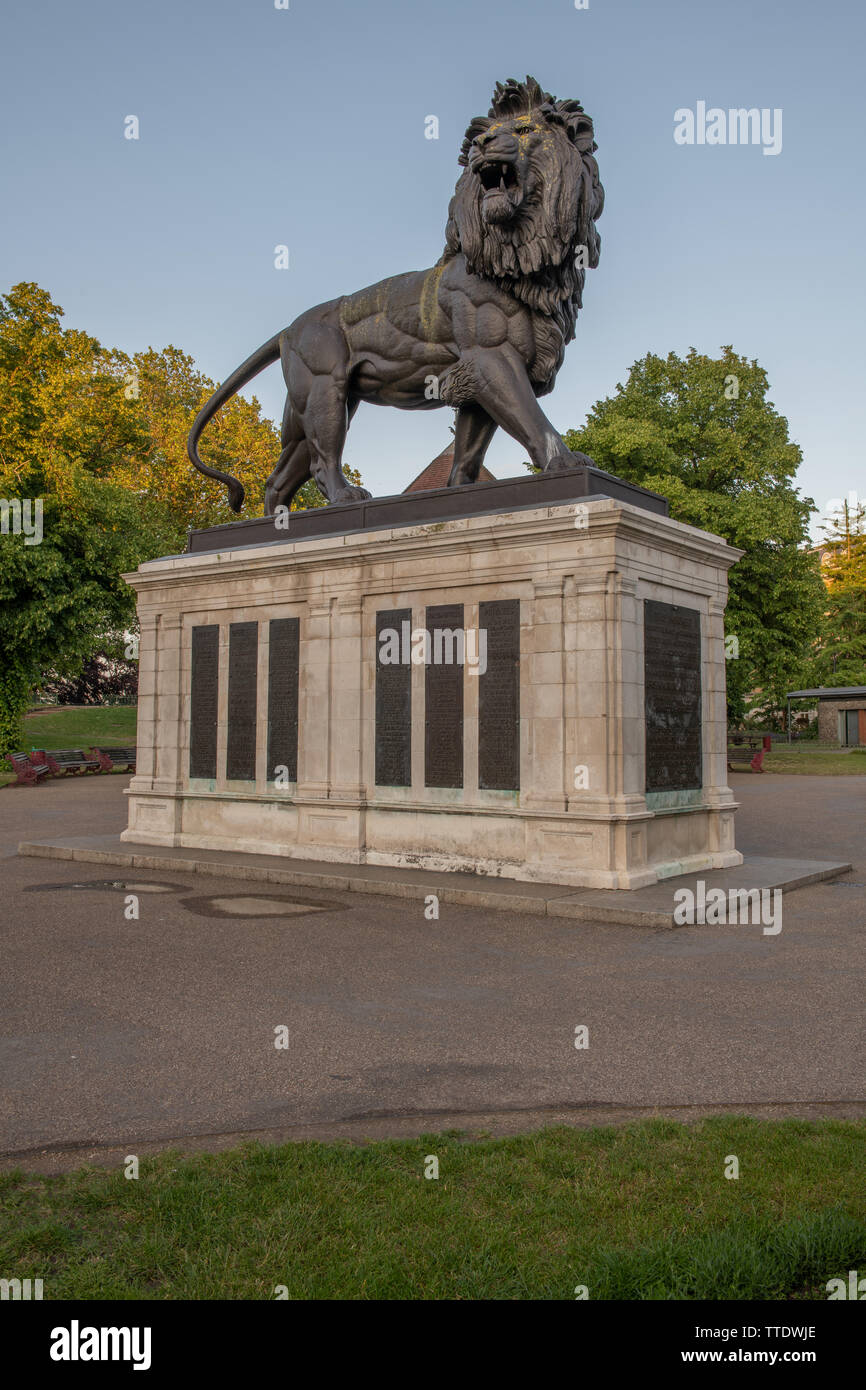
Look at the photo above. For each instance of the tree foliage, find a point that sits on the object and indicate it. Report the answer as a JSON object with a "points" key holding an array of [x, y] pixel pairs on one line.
{"points": [[702, 432], [105, 678], [64, 426], [100, 438], [842, 650]]}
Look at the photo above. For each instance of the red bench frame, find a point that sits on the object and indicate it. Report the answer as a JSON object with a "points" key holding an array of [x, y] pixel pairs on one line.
{"points": [[106, 763], [27, 773], [58, 769]]}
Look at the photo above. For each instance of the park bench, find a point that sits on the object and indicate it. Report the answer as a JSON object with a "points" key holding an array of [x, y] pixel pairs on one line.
{"points": [[115, 757], [66, 760], [744, 749], [743, 754], [28, 770]]}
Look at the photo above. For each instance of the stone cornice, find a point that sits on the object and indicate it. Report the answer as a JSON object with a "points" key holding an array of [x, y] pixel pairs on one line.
{"points": [[609, 521]]}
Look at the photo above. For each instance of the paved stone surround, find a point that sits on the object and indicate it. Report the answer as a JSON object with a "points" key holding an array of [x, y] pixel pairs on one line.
{"points": [[641, 907]]}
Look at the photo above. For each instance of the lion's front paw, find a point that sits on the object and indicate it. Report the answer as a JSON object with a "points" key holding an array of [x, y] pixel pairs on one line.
{"points": [[351, 493], [568, 459]]}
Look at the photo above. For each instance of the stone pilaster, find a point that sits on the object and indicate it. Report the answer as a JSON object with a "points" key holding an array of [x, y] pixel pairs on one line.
{"points": [[470, 712], [346, 677], [314, 702], [146, 737], [542, 697], [715, 706], [168, 703]]}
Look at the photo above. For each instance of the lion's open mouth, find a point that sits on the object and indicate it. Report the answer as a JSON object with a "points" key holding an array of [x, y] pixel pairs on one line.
{"points": [[497, 175]]}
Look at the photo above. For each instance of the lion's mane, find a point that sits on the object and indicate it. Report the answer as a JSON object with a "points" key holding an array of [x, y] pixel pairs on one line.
{"points": [[534, 256]]}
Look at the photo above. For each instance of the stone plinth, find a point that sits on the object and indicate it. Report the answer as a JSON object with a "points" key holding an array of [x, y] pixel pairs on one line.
{"points": [[559, 714]]}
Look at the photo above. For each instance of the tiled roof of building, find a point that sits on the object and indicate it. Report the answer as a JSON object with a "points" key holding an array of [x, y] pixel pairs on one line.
{"points": [[437, 473]]}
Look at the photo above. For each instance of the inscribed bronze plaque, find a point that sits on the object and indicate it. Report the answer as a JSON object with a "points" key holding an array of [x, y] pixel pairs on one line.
{"points": [[283, 673], [672, 682], [204, 694], [443, 696], [499, 696], [393, 698], [241, 731]]}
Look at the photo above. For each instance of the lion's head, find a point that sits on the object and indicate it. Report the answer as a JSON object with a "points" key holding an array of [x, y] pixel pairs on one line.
{"points": [[528, 199]]}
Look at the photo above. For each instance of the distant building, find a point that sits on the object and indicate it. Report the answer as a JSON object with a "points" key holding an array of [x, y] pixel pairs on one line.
{"points": [[841, 713], [437, 473]]}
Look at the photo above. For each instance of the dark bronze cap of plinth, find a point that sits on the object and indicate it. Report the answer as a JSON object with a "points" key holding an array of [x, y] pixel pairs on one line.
{"points": [[437, 504]]}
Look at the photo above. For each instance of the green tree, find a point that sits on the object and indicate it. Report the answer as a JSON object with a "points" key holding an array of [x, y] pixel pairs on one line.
{"points": [[64, 426], [702, 432], [98, 438], [842, 650]]}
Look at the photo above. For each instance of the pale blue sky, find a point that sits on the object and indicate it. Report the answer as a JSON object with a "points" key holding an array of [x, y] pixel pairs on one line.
{"points": [[306, 127]]}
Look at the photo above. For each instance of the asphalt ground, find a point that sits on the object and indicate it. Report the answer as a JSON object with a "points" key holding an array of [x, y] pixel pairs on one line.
{"points": [[125, 1034]]}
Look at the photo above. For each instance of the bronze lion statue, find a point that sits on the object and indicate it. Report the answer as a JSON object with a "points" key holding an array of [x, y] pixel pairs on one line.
{"points": [[484, 330]]}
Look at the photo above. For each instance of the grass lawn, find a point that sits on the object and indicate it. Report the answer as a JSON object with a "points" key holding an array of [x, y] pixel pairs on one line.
{"points": [[815, 761], [79, 726], [638, 1212]]}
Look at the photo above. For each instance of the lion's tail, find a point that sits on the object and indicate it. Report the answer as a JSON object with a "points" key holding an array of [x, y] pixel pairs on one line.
{"points": [[263, 357]]}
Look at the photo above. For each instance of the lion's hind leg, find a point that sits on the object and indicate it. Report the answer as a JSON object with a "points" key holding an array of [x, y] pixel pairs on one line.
{"points": [[290, 474], [316, 368], [293, 466]]}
